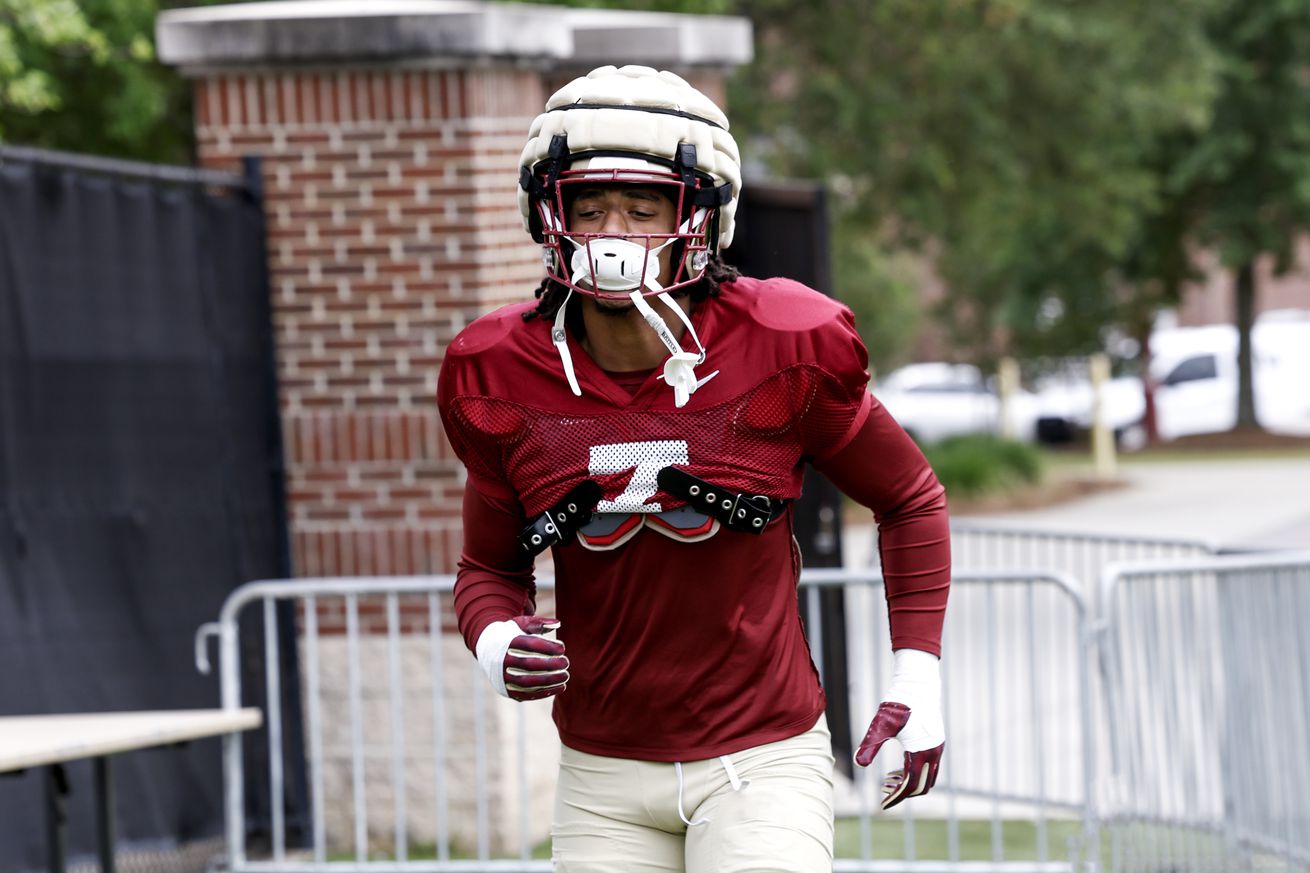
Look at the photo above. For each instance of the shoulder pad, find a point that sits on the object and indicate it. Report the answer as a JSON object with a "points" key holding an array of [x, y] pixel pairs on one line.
{"points": [[488, 330], [787, 305]]}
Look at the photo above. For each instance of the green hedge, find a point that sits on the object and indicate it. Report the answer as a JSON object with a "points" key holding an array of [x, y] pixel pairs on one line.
{"points": [[975, 466]]}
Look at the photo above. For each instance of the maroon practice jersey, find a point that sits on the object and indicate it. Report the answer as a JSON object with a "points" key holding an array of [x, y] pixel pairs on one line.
{"points": [[684, 639], [790, 381]]}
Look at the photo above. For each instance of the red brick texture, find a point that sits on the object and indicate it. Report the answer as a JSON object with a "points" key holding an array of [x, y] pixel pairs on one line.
{"points": [[392, 223]]}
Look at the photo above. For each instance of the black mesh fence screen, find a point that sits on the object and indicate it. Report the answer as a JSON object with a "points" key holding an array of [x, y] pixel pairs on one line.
{"points": [[140, 477]]}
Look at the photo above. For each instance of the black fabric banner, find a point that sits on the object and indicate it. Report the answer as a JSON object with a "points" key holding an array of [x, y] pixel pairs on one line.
{"points": [[140, 472]]}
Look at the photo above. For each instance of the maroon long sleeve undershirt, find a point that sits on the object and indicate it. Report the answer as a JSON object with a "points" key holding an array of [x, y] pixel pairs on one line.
{"points": [[883, 469], [494, 580]]}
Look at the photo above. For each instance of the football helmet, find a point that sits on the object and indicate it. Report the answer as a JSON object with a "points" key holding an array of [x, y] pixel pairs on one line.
{"points": [[631, 125]]}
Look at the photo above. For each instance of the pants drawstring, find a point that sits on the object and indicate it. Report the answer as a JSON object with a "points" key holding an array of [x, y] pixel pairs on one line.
{"points": [[738, 784], [677, 766]]}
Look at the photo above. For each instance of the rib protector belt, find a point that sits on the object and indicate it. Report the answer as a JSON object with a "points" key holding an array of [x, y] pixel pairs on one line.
{"points": [[560, 523], [744, 512]]}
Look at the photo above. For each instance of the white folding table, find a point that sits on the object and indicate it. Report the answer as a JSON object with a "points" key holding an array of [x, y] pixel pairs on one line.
{"points": [[50, 741]]}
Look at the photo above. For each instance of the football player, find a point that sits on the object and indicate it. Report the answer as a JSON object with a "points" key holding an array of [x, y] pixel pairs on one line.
{"points": [[647, 419]]}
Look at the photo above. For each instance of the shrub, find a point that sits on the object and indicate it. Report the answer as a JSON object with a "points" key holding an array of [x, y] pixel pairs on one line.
{"points": [[974, 466]]}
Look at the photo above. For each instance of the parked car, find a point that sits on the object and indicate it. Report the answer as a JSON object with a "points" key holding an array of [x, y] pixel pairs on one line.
{"points": [[1194, 370], [936, 400], [1065, 405]]}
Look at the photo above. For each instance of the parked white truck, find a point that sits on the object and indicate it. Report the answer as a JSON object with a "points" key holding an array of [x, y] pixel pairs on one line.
{"points": [[1194, 370]]}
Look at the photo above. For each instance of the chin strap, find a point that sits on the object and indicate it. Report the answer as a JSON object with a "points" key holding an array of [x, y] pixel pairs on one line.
{"points": [[680, 368], [561, 341], [557, 333]]}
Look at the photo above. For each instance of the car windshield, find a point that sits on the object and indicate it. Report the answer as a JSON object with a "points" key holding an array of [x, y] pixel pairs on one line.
{"points": [[1192, 369]]}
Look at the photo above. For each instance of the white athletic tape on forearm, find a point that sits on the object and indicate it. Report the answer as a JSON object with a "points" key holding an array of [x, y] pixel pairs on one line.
{"points": [[492, 645]]}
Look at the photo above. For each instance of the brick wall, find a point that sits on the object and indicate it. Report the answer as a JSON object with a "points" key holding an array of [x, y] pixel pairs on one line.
{"points": [[1212, 301], [392, 223]]}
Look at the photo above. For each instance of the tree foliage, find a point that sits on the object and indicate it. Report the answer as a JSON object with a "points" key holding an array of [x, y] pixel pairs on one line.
{"points": [[1057, 164], [82, 76], [1248, 172], [692, 7], [1017, 146], [1009, 141], [882, 287], [1242, 185]]}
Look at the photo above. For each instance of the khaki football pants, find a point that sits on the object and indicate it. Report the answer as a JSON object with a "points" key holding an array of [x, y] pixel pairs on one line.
{"points": [[615, 815]]}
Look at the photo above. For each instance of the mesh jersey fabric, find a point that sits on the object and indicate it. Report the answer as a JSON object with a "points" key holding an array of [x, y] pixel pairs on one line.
{"points": [[679, 650], [648, 699]]}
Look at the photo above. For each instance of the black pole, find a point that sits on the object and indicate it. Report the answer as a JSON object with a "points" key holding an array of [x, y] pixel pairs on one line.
{"points": [[782, 230], [295, 802], [105, 829], [56, 817], [253, 171]]}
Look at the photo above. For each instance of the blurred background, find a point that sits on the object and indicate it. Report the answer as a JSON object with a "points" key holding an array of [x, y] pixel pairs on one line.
{"points": [[236, 237], [1039, 181]]}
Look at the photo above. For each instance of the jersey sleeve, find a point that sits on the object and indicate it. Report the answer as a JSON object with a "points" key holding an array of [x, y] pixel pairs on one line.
{"points": [[477, 426], [495, 580], [840, 399], [883, 469]]}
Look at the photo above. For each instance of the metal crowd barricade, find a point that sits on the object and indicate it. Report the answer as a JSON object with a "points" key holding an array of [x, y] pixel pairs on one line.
{"points": [[1207, 668], [980, 545], [403, 735], [416, 766], [1019, 715]]}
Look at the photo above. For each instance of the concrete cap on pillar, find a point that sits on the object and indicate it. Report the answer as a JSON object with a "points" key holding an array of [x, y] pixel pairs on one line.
{"points": [[304, 32]]}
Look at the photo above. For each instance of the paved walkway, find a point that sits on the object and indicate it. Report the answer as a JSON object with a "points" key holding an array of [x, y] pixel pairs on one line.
{"points": [[1228, 504], [1232, 504]]}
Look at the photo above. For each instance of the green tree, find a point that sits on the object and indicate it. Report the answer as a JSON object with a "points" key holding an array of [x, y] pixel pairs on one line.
{"points": [[1008, 141], [82, 76], [882, 289], [1242, 184]]}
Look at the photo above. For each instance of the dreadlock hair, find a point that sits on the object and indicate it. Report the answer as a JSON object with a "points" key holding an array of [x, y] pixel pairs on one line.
{"points": [[551, 294]]}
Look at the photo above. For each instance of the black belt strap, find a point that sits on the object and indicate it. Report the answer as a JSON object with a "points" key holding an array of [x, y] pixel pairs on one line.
{"points": [[560, 523], [745, 512]]}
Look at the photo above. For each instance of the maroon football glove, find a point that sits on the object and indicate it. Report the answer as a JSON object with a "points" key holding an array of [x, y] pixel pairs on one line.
{"points": [[911, 712], [918, 773], [521, 659]]}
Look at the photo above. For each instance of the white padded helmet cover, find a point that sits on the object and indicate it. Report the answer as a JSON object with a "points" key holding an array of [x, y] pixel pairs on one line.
{"points": [[648, 133]]}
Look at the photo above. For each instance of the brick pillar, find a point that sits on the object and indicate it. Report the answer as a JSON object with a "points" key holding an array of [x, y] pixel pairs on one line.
{"points": [[392, 224]]}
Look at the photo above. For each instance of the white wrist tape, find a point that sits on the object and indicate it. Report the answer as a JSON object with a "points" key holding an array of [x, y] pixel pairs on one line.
{"points": [[913, 673], [917, 683], [492, 645]]}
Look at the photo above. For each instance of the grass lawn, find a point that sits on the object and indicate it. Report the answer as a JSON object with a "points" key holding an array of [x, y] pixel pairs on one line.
{"points": [[1018, 840], [429, 853], [931, 841]]}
